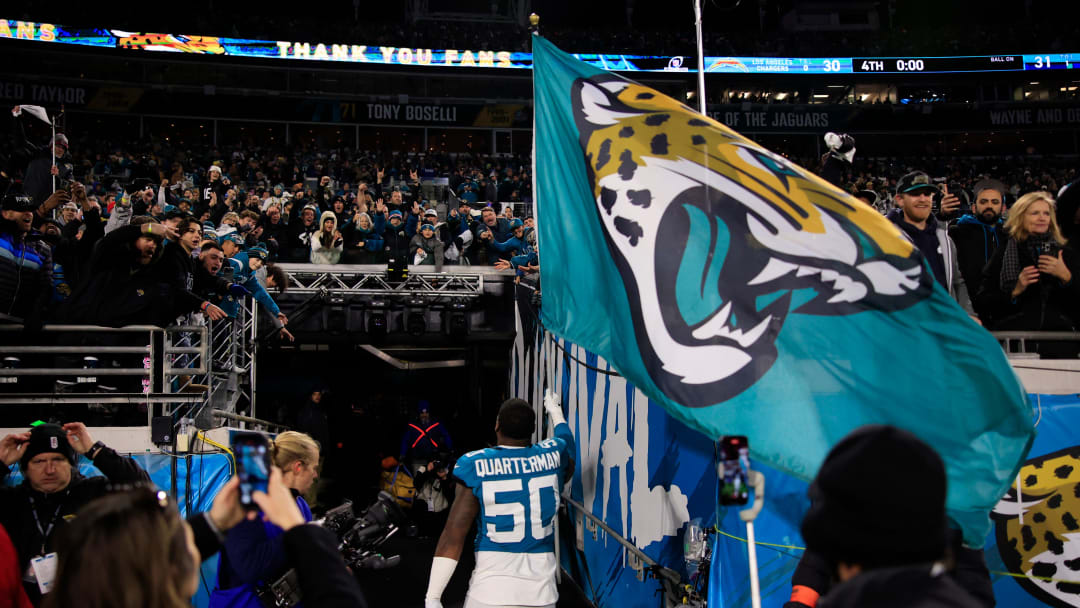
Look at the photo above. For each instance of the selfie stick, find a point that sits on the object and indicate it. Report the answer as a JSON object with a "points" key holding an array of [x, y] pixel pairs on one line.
{"points": [[756, 481]]}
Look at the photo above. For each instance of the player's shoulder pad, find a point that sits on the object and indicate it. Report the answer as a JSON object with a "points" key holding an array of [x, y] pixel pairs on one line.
{"points": [[465, 463]]}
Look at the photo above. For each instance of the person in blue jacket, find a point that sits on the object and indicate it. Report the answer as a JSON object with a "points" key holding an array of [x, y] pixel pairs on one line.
{"points": [[517, 243], [254, 551], [244, 265]]}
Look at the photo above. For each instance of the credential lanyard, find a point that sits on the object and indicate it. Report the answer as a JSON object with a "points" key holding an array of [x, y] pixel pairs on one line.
{"points": [[52, 520]]}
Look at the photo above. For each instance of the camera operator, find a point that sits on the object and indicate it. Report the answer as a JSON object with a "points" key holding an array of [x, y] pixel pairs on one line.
{"points": [[36, 510], [254, 552], [132, 549]]}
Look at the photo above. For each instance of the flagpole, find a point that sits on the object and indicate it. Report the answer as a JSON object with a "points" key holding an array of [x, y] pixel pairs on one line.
{"points": [[701, 58], [52, 150], [534, 30]]}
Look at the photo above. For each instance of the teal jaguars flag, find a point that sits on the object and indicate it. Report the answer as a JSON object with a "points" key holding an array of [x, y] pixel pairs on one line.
{"points": [[750, 297]]}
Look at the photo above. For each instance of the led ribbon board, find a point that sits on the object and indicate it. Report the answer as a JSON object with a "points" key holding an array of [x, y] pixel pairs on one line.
{"points": [[31, 31]]}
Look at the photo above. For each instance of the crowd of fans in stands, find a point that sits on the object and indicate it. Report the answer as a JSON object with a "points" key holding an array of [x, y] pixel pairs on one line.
{"points": [[998, 236], [1019, 175], [210, 224]]}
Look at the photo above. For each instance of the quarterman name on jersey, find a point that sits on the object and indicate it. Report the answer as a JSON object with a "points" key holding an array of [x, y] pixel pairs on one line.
{"points": [[548, 461]]}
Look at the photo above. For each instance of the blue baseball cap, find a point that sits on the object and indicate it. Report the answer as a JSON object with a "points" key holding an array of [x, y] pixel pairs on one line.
{"points": [[395, 213], [516, 223], [234, 238]]}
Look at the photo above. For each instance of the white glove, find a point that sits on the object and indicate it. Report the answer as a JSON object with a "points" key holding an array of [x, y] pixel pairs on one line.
{"points": [[553, 408], [432, 602]]}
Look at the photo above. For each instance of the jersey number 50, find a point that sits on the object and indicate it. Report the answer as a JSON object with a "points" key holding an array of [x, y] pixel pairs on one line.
{"points": [[539, 527]]}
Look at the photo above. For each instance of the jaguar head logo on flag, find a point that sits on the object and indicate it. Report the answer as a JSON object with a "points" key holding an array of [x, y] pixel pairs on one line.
{"points": [[718, 240]]}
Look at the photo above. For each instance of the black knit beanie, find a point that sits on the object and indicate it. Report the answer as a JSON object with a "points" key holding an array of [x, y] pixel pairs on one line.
{"points": [[47, 438], [878, 501]]}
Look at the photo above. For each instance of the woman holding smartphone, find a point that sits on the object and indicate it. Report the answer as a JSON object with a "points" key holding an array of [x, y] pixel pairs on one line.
{"points": [[254, 552], [131, 548]]}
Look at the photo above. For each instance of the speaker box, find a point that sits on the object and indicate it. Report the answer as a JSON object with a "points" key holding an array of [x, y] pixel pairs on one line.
{"points": [[161, 430]]}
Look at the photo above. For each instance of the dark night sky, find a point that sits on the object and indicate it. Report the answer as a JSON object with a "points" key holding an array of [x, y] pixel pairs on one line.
{"points": [[719, 15]]}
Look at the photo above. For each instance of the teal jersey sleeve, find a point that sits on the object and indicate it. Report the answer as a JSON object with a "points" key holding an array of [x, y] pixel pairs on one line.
{"points": [[563, 434], [261, 295]]}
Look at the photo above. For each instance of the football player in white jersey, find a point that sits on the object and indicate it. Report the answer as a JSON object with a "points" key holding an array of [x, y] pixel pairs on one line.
{"points": [[512, 491]]}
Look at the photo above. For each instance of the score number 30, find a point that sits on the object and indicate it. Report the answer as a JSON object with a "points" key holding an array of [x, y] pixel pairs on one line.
{"points": [[539, 527]]}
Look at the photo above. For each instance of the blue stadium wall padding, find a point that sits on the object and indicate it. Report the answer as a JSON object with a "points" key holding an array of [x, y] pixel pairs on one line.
{"points": [[642, 471], [645, 474]]}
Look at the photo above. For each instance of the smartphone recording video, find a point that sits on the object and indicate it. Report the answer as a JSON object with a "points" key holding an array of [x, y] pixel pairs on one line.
{"points": [[252, 452], [734, 451]]}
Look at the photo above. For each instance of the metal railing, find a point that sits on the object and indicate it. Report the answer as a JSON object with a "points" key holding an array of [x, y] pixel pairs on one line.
{"points": [[248, 420], [232, 374], [106, 366], [191, 366], [160, 341], [642, 564], [1009, 339]]}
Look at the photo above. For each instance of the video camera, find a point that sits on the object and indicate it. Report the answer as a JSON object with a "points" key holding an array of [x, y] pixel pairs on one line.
{"points": [[359, 538]]}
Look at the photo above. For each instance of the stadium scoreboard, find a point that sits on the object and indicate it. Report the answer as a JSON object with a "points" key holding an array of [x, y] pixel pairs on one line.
{"points": [[973, 63], [355, 53], [893, 65]]}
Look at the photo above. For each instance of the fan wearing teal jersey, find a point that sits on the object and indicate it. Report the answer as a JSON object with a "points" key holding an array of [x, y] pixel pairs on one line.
{"points": [[512, 491]]}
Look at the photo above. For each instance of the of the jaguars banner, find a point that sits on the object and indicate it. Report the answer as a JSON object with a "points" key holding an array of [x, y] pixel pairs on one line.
{"points": [[749, 297], [646, 474]]}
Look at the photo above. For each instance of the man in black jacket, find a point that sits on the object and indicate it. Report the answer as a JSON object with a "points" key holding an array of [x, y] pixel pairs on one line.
{"points": [[275, 232], [882, 530], [979, 233], [123, 285], [52, 490], [72, 247], [178, 269]]}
